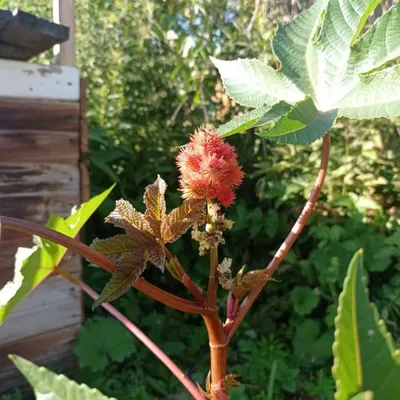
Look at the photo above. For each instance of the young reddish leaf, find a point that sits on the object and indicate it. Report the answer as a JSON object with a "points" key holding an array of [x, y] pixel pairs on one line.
{"points": [[155, 205], [243, 284], [125, 216], [127, 270], [230, 381], [156, 255], [118, 244], [179, 220]]}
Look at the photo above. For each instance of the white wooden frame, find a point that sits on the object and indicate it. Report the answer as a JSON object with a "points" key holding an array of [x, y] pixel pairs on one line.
{"points": [[34, 81]]}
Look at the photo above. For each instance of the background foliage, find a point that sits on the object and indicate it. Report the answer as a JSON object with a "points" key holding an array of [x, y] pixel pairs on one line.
{"points": [[150, 85]]}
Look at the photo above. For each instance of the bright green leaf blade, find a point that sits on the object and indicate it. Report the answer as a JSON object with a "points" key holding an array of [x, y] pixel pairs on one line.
{"points": [[293, 46], [364, 396], [49, 386], [251, 83], [127, 270], [380, 45], [376, 95], [344, 21], [32, 266], [303, 124], [257, 117], [363, 350], [85, 211]]}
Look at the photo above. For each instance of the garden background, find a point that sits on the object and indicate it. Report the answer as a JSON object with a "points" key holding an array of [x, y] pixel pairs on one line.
{"points": [[150, 84]]}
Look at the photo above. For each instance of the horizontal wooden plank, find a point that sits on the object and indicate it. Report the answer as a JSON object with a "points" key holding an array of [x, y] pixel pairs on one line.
{"points": [[48, 349], [55, 304], [36, 81], [39, 146], [39, 114], [18, 180], [37, 208]]}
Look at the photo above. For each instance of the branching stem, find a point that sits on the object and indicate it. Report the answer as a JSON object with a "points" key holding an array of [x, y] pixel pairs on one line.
{"points": [[99, 259], [186, 382], [289, 241]]}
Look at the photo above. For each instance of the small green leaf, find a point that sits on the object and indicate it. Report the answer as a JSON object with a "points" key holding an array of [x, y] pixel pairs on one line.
{"points": [[364, 356], [255, 118], [303, 124], [102, 340], [34, 265], [304, 300], [50, 386], [126, 271]]}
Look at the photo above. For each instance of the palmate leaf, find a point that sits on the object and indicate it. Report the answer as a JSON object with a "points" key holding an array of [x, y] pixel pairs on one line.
{"points": [[125, 216], [327, 69], [179, 220], [129, 267], [364, 355], [34, 265], [49, 386], [146, 236], [155, 205]]}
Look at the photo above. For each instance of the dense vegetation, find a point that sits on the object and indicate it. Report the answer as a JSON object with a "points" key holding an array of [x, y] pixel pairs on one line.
{"points": [[151, 83]]}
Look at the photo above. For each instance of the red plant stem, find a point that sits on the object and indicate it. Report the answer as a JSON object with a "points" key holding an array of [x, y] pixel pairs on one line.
{"points": [[218, 351], [186, 382], [289, 241], [99, 259], [187, 280], [213, 279], [216, 335]]}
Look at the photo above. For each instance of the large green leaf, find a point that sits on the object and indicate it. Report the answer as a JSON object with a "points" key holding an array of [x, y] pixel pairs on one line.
{"points": [[365, 358], [49, 386], [323, 57], [34, 265]]}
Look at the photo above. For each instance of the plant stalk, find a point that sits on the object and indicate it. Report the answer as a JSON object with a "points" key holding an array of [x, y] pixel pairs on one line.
{"points": [[186, 382], [218, 354], [97, 258], [216, 335], [290, 239]]}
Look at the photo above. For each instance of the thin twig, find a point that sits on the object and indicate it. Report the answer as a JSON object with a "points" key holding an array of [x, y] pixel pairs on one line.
{"points": [[186, 382], [289, 241], [253, 19], [99, 259], [185, 279]]}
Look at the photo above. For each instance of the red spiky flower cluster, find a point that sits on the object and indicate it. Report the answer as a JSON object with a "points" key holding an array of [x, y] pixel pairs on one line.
{"points": [[209, 167]]}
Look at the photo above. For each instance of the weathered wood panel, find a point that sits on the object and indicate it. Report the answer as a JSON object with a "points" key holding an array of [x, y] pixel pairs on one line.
{"points": [[39, 146], [53, 305], [40, 172], [30, 179], [39, 81], [48, 348], [39, 115]]}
